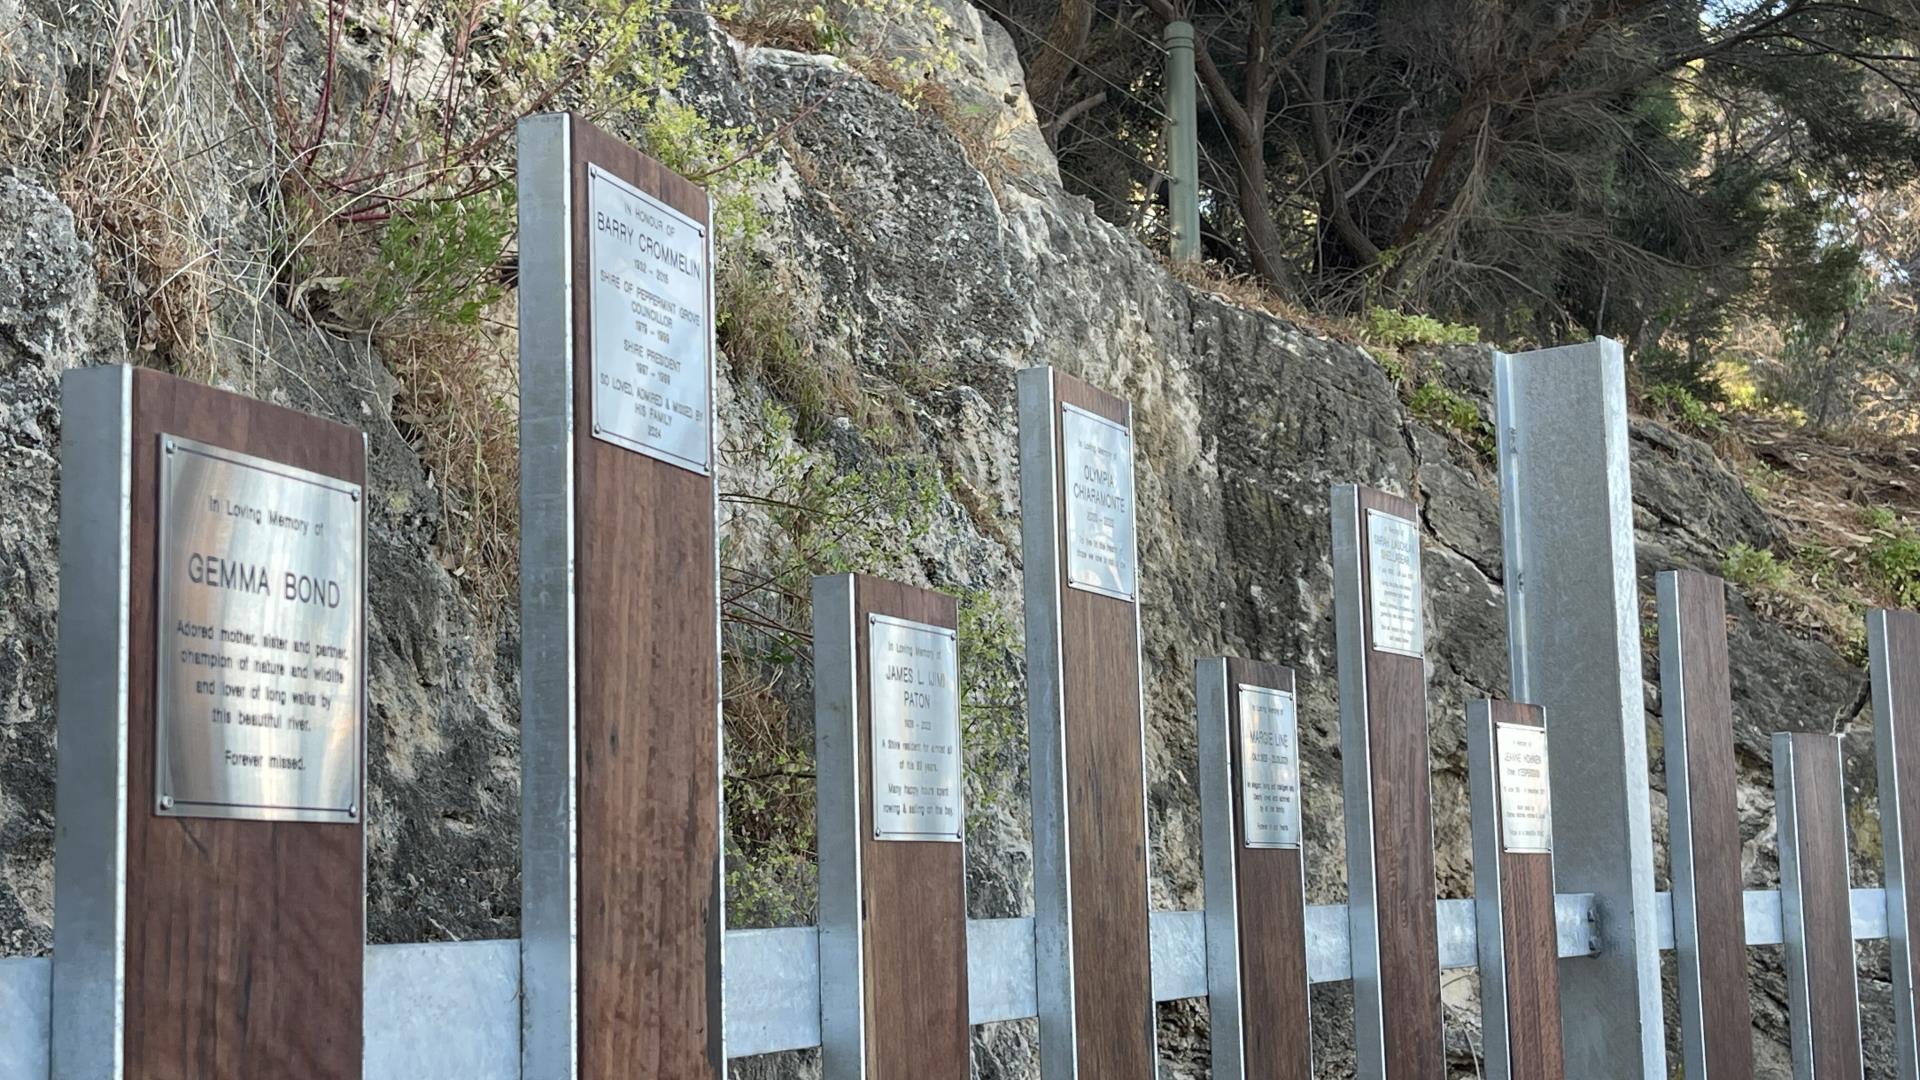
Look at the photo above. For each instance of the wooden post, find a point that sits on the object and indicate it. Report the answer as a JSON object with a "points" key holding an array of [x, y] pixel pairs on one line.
{"points": [[1093, 983], [893, 873], [621, 908], [210, 861], [1519, 944], [1250, 791], [1379, 623], [1696, 704], [1816, 907], [1893, 649]]}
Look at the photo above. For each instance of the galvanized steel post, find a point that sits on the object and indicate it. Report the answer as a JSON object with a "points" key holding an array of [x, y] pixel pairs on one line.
{"points": [[1573, 626], [1183, 142]]}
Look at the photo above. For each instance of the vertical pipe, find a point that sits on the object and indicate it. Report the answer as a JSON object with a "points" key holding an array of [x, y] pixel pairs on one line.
{"points": [[1183, 142]]}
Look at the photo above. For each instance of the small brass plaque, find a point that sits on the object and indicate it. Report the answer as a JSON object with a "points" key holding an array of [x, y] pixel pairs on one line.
{"points": [[261, 645]]}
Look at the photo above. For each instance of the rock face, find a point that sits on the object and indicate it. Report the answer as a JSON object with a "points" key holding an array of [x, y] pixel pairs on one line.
{"points": [[925, 286]]}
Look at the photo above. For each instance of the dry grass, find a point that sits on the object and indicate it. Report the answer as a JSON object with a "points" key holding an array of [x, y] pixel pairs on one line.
{"points": [[770, 803], [1247, 291], [985, 135], [171, 165], [1823, 493], [133, 169], [764, 335], [773, 24], [459, 400]]}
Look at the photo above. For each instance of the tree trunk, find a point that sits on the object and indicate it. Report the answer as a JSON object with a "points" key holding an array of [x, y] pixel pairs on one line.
{"points": [[1052, 65], [1265, 246], [1334, 198]]}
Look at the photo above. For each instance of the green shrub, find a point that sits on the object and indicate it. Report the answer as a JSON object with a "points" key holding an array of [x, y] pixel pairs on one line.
{"points": [[818, 515], [1893, 556], [1681, 405], [993, 722], [761, 331], [1391, 329], [1753, 568], [1443, 408], [1879, 518], [1685, 369], [438, 260]]}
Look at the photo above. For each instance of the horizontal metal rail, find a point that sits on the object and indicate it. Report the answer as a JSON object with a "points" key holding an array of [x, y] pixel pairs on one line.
{"points": [[452, 1011]]}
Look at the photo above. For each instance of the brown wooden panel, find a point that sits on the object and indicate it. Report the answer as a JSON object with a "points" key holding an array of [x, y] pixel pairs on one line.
{"points": [[1270, 882], [1106, 807], [1532, 940], [1897, 720], [915, 895], [1818, 806], [245, 939], [1705, 824], [651, 918], [1403, 836]]}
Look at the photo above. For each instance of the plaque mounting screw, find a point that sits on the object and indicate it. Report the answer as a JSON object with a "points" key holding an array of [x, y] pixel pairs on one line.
{"points": [[169, 446], [166, 801], [353, 810], [353, 495]]}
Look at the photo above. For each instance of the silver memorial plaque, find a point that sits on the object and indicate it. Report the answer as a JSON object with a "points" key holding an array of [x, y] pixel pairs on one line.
{"points": [[1526, 800], [1393, 573], [1269, 769], [1098, 458], [261, 649], [913, 677], [652, 324]]}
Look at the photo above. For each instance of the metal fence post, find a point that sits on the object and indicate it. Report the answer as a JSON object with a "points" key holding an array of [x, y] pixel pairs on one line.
{"points": [[1183, 145], [1573, 621]]}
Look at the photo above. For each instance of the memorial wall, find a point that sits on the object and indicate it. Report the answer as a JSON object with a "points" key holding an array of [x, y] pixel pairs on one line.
{"points": [[1241, 423]]}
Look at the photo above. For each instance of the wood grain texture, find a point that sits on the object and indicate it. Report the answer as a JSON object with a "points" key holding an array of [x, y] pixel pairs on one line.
{"points": [[1270, 883], [1826, 904], [1903, 692], [914, 895], [1403, 836], [1709, 831], [1532, 941], [1106, 807], [245, 939], [651, 916]]}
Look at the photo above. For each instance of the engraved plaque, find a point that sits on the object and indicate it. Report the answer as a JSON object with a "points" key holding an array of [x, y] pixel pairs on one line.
{"points": [[1269, 769], [1098, 466], [652, 310], [260, 640], [913, 677], [1526, 799], [1393, 573]]}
